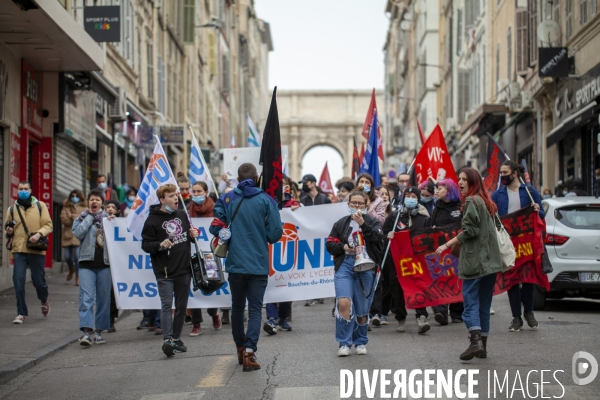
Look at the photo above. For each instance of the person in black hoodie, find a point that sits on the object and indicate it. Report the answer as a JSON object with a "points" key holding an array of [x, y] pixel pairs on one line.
{"points": [[412, 216], [354, 290], [165, 237], [447, 211]]}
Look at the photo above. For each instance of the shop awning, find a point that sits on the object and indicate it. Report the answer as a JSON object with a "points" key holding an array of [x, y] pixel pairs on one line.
{"points": [[557, 134], [48, 37]]}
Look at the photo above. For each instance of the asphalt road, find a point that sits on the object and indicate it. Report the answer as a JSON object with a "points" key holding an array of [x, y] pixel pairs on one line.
{"points": [[302, 364]]}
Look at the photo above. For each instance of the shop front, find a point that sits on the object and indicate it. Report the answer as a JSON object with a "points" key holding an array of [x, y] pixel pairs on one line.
{"points": [[573, 144]]}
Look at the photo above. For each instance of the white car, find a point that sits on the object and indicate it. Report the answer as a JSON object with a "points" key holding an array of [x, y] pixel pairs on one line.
{"points": [[573, 245]]}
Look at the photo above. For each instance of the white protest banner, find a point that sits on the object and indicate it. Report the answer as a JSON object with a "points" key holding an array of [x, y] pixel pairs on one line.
{"points": [[233, 158], [300, 266]]}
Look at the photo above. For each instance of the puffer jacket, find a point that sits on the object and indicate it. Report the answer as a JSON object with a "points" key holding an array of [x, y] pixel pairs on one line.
{"points": [[85, 230], [377, 209], [69, 212], [37, 220]]}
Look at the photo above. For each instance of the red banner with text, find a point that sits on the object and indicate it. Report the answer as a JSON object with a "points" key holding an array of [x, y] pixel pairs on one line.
{"points": [[429, 280]]}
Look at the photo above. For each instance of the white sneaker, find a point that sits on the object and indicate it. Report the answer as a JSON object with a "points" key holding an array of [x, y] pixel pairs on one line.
{"points": [[361, 349], [344, 351], [19, 319], [492, 312]]}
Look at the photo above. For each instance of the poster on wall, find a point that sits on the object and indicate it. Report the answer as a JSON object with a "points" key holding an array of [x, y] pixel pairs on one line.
{"points": [[79, 116]]}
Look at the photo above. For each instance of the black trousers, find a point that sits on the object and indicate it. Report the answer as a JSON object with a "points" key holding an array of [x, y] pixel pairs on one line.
{"points": [[197, 314], [456, 310], [114, 311]]}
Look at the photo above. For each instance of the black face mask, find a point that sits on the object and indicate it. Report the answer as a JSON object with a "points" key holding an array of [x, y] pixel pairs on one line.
{"points": [[305, 188], [506, 180]]}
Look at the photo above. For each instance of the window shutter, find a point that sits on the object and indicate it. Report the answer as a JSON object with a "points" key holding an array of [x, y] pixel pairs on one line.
{"points": [[532, 32], [593, 7], [189, 21], [212, 58], [582, 12], [569, 18], [509, 53], [469, 13], [459, 32], [463, 95], [521, 50]]}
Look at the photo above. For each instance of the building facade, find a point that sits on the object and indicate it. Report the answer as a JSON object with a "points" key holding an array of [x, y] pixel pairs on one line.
{"points": [[73, 106]]}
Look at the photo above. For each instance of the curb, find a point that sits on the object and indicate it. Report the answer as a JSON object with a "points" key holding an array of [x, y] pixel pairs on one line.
{"points": [[17, 367]]}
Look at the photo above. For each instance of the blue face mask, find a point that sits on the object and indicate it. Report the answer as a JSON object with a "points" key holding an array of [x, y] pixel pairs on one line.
{"points": [[366, 188], [24, 194], [198, 199], [426, 200], [410, 203], [75, 199], [169, 209], [564, 193], [353, 211], [131, 198], [547, 196]]}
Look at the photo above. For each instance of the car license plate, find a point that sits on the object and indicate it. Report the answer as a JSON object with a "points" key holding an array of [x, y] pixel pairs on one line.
{"points": [[589, 276]]}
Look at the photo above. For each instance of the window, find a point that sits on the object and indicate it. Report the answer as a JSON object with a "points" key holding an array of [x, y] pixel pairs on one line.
{"points": [[509, 53], [483, 76], [225, 75], [579, 217], [470, 13], [569, 18], [463, 95], [150, 69], [498, 63], [189, 21], [532, 33], [593, 7], [449, 42], [521, 44], [161, 85], [459, 32], [582, 12], [548, 9]]}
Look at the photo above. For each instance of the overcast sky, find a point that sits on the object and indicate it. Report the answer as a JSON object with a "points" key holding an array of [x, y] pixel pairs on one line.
{"points": [[325, 44]]}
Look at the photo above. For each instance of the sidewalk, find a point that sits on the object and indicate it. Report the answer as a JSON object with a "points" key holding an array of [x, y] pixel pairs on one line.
{"points": [[38, 338]]}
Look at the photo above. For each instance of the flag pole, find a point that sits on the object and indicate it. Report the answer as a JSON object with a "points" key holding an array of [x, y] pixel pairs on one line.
{"points": [[387, 249], [208, 170], [508, 158]]}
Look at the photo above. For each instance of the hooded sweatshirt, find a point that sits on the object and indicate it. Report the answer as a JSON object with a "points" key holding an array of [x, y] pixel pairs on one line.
{"points": [[446, 213], [174, 226]]}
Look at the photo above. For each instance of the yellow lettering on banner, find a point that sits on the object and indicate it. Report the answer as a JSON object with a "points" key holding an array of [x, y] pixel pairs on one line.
{"points": [[408, 266], [524, 249]]}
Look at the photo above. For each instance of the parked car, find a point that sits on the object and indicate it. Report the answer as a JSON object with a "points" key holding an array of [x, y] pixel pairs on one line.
{"points": [[573, 246]]}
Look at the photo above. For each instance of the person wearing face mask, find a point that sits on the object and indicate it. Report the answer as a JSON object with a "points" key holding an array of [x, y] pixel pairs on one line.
{"points": [[107, 192], [73, 205], [375, 206], [201, 206], [128, 202], [183, 182], [428, 199], [94, 271], [402, 181], [547, 193], [312, 195], [354, 290], [511, 197], [28, 213], [412, 216]]}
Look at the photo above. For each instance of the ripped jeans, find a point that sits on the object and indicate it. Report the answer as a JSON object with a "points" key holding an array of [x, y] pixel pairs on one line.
{"points": [[348, 285]]}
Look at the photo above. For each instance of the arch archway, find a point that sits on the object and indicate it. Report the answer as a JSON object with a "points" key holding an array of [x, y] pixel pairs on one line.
{"points": [[314, 159]]}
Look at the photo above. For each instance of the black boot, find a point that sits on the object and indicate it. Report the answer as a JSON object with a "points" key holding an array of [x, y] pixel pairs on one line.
{"points": [[484, 342], [112, 326], [475, 346]]}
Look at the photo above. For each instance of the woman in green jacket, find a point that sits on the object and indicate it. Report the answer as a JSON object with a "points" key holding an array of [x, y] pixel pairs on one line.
{"points": [[479, 259]]}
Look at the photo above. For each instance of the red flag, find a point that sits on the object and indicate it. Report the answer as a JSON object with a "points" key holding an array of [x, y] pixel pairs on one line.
{"points": [[434, 160], [362, 155], [496, 156], [356, 162], [421, 134], [325, 181], [367, 126]]}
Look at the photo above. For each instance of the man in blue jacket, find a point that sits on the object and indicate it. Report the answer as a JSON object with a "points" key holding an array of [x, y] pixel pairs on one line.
{"points": [[255, 224]]}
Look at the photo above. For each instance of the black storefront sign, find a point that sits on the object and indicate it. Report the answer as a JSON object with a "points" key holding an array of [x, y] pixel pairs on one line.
{"points": [[103, 23], [554, 62]]}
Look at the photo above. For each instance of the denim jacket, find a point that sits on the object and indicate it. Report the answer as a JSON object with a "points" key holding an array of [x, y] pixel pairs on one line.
{"points": [[85, 231]]}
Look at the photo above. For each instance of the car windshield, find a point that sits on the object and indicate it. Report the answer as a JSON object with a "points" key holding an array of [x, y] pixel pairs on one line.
{"points": [[579, 217]]}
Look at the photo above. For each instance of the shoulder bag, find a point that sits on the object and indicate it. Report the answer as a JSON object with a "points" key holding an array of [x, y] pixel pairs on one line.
{"points": [[41, 244], [507, 250], [220, 247]]}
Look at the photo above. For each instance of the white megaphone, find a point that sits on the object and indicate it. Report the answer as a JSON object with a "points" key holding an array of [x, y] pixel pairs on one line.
{"points": [[363, 262]]}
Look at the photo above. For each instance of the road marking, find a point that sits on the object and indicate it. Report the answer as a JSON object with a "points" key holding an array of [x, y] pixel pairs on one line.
{"points": [[175, 396], [217, 377]]}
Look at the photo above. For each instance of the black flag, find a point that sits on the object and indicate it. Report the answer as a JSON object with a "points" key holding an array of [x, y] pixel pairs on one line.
{"points": [[270, 154]]}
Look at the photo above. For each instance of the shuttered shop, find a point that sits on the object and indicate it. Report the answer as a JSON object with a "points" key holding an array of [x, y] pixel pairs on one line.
{"points": [[69, 173]]}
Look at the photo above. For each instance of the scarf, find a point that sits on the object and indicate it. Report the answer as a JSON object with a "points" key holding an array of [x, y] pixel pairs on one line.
{"points": [[98, 217], [25, 203], [128, 203], [202, 210]]}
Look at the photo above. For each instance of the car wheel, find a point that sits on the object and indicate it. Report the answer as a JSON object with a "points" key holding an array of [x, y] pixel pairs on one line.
{"points": [[539, 298]]}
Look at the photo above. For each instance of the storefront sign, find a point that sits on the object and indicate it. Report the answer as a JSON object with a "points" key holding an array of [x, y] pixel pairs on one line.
{"points": [[576, 94], [554, 62], [103, 23], [172, 135], [45, 172], [15, 162], [79, 116], [31, 102]]}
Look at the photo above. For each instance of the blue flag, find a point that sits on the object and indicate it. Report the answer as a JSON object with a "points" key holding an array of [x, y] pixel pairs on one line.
{"points": [[370, 163]]}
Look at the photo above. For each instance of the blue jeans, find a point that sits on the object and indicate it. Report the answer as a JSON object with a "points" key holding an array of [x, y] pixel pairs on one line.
{"points": [[72, 258], [35, 262], [94, 286], [281, 312], [153, 315], [251, 288], [348, 285], [477, 300]]}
